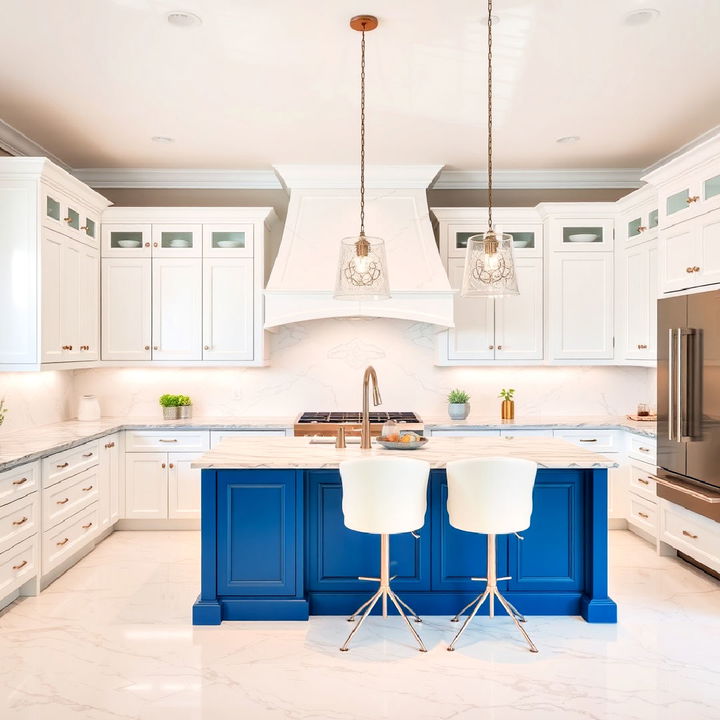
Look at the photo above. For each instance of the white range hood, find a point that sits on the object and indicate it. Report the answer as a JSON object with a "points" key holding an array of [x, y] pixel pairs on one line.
{"points": [[324, 207]]}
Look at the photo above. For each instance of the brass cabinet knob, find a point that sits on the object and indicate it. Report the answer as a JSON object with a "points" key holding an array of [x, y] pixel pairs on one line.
{"points": [[67, 219], [147, 347], [206, 347], [155, 347], [154, 244], [692, 199], [499, 347], [83, 227], [491, 347], [171, 466], [642, 228], [688, 270], [642, 347], [696, 269], [147, 244], [163, 466]]}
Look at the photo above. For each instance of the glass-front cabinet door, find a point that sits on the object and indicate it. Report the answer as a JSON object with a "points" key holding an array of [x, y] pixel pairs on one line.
{"points": [[711, 192], [582, 234], [90, 229], [181, 240], [228, 240], [126, 240], [527, 238]]}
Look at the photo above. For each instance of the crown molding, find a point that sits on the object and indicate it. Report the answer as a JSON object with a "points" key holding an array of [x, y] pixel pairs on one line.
{"points": [[178, 178], [698, 142], [343, 177], [20, 145], [596, 178]]}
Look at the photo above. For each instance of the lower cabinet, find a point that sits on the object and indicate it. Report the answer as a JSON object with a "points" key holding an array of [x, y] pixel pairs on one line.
{"points": [[109, 501]]}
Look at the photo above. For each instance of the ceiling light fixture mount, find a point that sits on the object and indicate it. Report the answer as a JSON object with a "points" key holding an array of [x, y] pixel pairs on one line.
{"points": [[362, 266], [568, 139], [162, 139], [641, 16], [183, 19], [489, 262]]}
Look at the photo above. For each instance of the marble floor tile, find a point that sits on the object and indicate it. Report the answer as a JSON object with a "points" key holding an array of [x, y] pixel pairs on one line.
{"points": [[112, 640]]}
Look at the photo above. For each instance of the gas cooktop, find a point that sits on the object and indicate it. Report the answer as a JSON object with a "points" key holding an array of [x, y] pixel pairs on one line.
{"points": [[356, 417]]}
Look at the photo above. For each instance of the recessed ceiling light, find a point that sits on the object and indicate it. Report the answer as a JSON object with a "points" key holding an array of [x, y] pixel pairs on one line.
{"points": [[162, 139], [641, 16], [568, 139], [182, 18], [495, 20]]}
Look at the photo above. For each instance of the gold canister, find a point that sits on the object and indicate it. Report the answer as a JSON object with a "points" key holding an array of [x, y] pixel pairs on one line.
{"points": [[507, 410]]}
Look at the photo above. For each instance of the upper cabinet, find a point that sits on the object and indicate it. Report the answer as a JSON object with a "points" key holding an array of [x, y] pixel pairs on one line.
{"points": [[49, 266], [184, 285]]}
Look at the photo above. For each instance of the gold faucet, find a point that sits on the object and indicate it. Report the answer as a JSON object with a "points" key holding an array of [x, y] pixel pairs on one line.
{"points": [[370, 374]]}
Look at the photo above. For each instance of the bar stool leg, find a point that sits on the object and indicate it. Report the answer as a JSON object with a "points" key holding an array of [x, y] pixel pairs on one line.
{"points": [[530, 643], [468, 619], [515, 611], [415, 616], [370, 605], [384, 570], [393, 597]]}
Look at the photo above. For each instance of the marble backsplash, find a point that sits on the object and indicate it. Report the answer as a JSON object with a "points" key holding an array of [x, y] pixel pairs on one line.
{"points": [[37, 398], [319, 365]]}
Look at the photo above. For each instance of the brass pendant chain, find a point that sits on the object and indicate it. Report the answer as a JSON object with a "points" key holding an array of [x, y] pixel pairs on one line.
{"points": [[489, 145], [362, 134]]}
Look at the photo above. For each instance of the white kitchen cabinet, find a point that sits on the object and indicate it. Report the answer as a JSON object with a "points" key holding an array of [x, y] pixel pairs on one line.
{"points": [[178, 240], [146, 485], [508, 328], [690, 253], [183, 487], [581, 306], [228, 240], [228, 308], [109, 478], [48, 266], [126, 240], [638, 303], [126, 309], [176, 312], [581, 234]]}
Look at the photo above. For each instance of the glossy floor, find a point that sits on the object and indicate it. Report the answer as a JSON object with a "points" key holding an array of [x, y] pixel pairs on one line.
{"points": [[112, 639]]}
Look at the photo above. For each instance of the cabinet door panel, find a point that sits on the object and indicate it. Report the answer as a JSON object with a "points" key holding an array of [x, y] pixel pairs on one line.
{"points": [[337, 556], [177, 310], [256, 532], [146, 485], [680, 255], [709, 240], [183, 486], [550, 558], [88, 309], [51, 296], [109, 476], [519, 318], [70, 299], [472, 338], [581, 317], [640, 300], [228, 309], [126, 309], [458, 556]]}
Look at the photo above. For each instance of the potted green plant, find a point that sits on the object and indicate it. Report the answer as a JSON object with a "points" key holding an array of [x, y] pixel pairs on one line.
{"points": [[458, 405], [176, 407], [507, 408]]}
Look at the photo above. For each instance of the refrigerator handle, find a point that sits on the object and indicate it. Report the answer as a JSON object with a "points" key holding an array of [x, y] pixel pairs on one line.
{"points": [[680, 384], [672, 411]]}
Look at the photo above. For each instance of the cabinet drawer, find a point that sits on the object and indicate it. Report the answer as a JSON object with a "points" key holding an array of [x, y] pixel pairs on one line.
{"points": [[599, 441], [69, 536], [18, 565], [465, 433], [643, 514], [642, 483], [174, 441], [69, 462], [19, 520], [18, 482], [69, 496], [642, 448], [526, 433], [685, 530], [217, 435]]}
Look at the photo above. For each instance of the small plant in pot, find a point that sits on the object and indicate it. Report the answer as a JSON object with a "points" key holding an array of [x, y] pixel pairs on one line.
{"points": [[458, 405], [176, 407], [507, 408]]}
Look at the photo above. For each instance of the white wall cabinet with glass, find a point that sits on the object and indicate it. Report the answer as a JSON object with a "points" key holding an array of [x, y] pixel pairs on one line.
{"points": [[49, 267], [194, 279], [503, 330]]}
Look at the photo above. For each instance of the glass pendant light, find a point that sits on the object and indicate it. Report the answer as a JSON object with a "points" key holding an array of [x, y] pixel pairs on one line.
{"points": [[489, 263], [362, 267]]}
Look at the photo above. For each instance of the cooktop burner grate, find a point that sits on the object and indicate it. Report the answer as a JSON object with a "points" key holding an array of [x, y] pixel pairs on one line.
{"points": [[356, 417]]}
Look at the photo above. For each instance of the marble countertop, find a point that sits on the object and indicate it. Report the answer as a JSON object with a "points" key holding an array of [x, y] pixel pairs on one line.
{"points": [[298, 452], [33, 443]]}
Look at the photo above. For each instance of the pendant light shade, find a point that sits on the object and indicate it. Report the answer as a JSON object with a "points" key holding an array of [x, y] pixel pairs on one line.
{"points": [[489, 262], [362, 265], [361, 273], [489, 266]]}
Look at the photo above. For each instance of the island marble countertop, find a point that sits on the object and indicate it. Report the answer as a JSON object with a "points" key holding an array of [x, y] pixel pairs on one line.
{"points": [[299, 453], [32, 443]]}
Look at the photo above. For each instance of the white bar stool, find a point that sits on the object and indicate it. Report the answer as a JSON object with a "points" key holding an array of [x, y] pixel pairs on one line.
{"points": [[492, 496], [384, 496]]}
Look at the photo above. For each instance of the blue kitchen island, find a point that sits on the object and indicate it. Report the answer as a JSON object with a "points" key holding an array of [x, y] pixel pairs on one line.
{"points": [[274, 545]]}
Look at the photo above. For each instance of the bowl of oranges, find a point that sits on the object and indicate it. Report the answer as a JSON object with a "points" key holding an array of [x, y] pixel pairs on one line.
{"points": [[402, 441]]}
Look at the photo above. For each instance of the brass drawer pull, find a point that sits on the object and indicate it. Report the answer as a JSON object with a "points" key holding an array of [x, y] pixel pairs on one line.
{"points": [[83, 227], [62, 465], [87, 454], [643, 481], [88, 488], [62, 542], [85, 527], [166, 440], [589, 440], [689, 534], [62, 502], [692, 199], [642, 449], [20, 522], [109, 445], [643, 515], [21, 565], [21, 481]]}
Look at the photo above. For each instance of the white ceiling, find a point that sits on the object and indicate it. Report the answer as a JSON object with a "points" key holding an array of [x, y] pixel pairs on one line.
{"points": [[264, 82]]}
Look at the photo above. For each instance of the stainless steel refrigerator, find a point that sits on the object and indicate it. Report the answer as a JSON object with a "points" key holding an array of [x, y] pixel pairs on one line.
{"points": [[688, 397]]}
